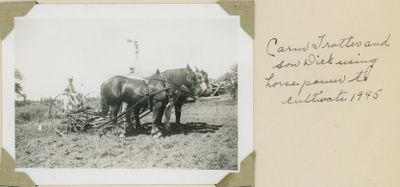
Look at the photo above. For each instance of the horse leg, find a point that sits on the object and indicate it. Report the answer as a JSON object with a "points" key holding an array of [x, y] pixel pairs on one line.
{"points": [[157, 117], [138, 126], [128, 121], [155, 131], [178, 112], [167, 115], [114, 113]]}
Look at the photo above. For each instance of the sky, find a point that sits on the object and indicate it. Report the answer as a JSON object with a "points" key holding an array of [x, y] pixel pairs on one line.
{"points": [[48, 51]]}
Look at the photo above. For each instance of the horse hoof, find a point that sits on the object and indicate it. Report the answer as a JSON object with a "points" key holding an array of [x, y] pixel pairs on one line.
{"points": [[122, 135], [157, 135]]}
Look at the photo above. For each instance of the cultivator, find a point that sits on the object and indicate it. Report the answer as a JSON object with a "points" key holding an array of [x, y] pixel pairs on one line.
{"points": [[83, 116]]}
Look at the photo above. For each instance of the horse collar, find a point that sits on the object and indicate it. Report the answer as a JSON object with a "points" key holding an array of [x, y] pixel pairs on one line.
{"points": [[165, 80]]}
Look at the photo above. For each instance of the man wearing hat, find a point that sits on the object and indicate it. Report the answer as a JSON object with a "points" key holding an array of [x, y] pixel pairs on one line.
{"points": [[70, 87], [71, 99]]}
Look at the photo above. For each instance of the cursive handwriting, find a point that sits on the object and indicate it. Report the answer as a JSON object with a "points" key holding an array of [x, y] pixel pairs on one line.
{"points": [[316, 60], [341, 96], [339, 80], [361, 76], [307, 59], [322, 42]]}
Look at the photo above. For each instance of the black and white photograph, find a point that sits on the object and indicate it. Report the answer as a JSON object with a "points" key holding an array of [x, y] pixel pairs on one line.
{"points": [[127, 93]]}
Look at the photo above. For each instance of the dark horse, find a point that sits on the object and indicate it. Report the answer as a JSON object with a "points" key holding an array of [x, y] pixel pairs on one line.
{"points": [[180, 98], [119, 89]]}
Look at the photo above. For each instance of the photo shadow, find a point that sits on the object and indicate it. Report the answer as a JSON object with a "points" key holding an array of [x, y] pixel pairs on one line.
{"points": [[185, 128]]}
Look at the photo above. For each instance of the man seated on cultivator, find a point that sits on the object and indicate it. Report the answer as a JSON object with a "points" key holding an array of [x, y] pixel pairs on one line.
{"points": [[72, 99]]}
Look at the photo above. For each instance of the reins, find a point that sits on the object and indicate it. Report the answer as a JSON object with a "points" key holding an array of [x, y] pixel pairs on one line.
{"points": [[134, 106], [166, 84]]}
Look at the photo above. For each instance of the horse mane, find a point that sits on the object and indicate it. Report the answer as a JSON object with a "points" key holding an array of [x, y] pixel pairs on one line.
{"points": [[165, 72], [173, 70]]}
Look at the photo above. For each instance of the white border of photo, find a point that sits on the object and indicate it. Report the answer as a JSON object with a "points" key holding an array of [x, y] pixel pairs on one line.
{"points": [[132, 176]]}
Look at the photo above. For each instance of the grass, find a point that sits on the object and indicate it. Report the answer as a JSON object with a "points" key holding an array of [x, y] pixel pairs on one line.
{"points": [[35, 112]]}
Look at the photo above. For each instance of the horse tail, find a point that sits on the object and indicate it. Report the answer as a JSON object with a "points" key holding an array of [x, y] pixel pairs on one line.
{"points": [[104, 106]]}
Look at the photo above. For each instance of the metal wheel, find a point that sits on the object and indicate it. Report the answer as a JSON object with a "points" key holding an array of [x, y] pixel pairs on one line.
{"points": [[58, 115], [55, 110]]}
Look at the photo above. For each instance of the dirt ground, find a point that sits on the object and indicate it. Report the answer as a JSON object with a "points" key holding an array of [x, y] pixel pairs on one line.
{"points": [[209, 141]]}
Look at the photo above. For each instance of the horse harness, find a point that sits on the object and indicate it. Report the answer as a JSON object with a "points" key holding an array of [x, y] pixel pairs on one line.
{"points": [[171, 94]]}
